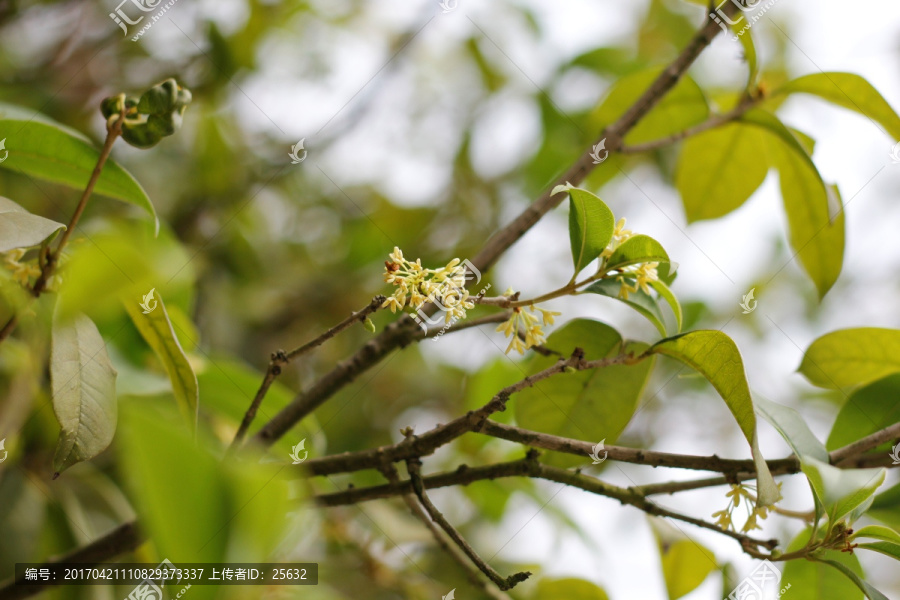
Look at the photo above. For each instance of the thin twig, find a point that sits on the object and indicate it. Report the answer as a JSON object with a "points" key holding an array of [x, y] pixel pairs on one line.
{"points": [[869, 442], [281, 358], [390, 473], [413, 466]]}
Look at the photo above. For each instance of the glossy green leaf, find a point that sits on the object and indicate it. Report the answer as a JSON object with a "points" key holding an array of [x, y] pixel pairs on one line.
{"points": [[569, 588], [156, 329], [867, 410], [870, 592], [84, 392], [877, 532], [719, 169], [21, 229], [887, 548], [642, 303], [663, 290], [841, 490], [684, 105], [793, 429], [816, 581], [815, 217], [686, 564], [591, 226], [588, 405], [715, 356], [850, 357], [42, 148], [850, 91], [636, 249]]}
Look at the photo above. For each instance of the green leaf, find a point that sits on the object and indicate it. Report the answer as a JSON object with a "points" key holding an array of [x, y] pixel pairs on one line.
{"points": [[886, 548], [42, 148], [156, 329], [719, 169], [569, 588], [877, 532], [663, 290], [746, 40], [715, 356], [684, 105], [636, 249], [84, 392], [850, 357], [591, 226], [192, 505], [886, 506], [686, 564], [841, 490], [792, 428], [870, 592], [815, 216], [21, 229], [589, 405], [639, 301], [849, 91], [811, 580], [867, 410]]}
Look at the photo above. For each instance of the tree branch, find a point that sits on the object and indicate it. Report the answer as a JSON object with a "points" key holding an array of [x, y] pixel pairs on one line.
{"points": [[413, 466], [281, 358]]}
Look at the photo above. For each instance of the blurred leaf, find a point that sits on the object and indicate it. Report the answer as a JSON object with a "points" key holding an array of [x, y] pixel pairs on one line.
{"points": [[746, 40], [841, 490], [719, 169], [636, 249], [715, 356], [814, 580], [42, 148], [588, 405], [877, 532], [850, 91], [867, 589], [644, 304], [84, 392], [685, 564], [569, 588], [591, 225], [156, 329], [792, 428], [867, 410], [21, 229], [192, 506], [886, 507], [684, 105], [663, 290], [849, 357]]}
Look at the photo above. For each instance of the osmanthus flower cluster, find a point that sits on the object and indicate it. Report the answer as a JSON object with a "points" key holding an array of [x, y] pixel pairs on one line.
{"points": [[417, 285], [756, 512], [644, 274]]}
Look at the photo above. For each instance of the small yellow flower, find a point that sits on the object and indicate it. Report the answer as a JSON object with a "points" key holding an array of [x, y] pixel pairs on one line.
{"points": [[547, 316]]}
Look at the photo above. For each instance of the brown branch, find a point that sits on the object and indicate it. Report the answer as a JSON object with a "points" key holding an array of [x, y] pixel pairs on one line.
{"points": [[281, 358], [390, 473], [413, 466], [869, 442], [123, 538]]}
